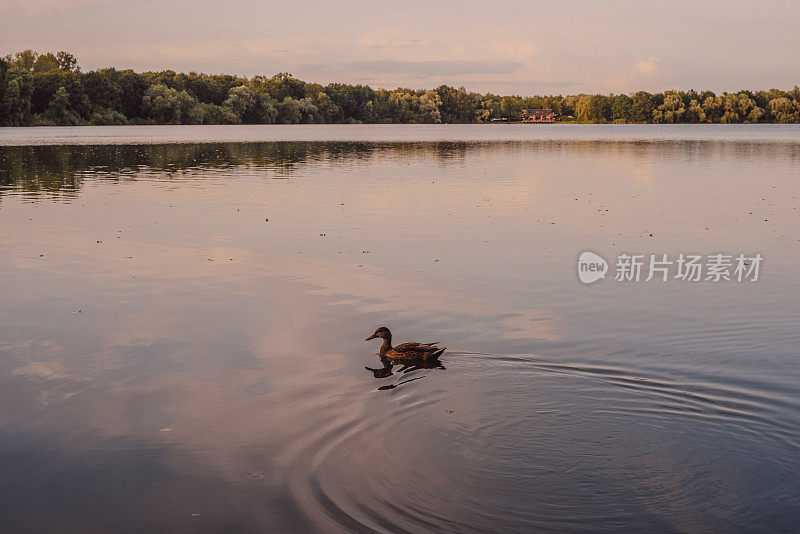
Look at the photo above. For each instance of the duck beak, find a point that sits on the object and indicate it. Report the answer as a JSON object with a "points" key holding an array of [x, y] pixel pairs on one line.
{"points": [[373, 336]]}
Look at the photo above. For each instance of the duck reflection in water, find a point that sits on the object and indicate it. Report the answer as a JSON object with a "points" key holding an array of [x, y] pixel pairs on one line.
{"points": [[408, 356], [388, 369]]}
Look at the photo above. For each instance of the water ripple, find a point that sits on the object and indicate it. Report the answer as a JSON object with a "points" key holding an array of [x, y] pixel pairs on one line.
{"points": [[407, 465]]}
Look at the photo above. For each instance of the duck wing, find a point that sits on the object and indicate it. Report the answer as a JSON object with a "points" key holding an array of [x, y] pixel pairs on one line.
{"points": [[416, 347], [417, 350]]}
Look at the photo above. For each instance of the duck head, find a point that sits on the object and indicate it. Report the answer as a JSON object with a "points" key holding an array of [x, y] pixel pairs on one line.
{"points": [[382, 333]]}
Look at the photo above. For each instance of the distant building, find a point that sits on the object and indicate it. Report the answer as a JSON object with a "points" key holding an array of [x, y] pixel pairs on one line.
{"points": [[539, 115]]}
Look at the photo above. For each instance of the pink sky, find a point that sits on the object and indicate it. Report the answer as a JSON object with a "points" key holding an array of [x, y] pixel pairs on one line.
{"points": [[524, 47]]}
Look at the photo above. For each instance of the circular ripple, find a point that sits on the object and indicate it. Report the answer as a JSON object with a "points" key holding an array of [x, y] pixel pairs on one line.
{"points": [[513, 444]]}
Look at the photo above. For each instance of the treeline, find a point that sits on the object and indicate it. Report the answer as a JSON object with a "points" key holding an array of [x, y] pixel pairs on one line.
{"points": [[50, 89]]}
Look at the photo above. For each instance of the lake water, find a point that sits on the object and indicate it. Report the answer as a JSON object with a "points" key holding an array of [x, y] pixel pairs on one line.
{"points": [[184, 310]]}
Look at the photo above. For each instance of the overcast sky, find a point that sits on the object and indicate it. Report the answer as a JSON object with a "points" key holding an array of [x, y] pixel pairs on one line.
{"points": [[523, 47]]}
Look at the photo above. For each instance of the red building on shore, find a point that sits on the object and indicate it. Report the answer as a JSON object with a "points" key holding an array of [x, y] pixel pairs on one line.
{"points": [[539, 115]]}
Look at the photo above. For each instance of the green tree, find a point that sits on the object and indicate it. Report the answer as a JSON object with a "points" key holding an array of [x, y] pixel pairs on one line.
{"points": [[713, 107], [407, 106], [740, 107], [170, 106], [45, 85], [15, 106], [671, 111], [248, 107], [621, 108], [213, 114], [107, 117], [59, 111], [289, 111], [25, 60], [239, 102], [457, 105], [45, 63], [280, 86], [326, 109], [600, 108], [428, 108], [510, 107], [350, 100], [132, 88], [103, 89], [784, 110], [583, 108], [749, 110], [695, 112], [309, 112], [67, 62], [642, 107]]}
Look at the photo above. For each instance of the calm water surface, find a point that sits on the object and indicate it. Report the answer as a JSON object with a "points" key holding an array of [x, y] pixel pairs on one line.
{"points": [[184, 309]]}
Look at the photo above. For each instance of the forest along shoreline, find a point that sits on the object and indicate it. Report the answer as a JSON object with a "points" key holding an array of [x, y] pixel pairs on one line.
{"points": [[50, 89]]}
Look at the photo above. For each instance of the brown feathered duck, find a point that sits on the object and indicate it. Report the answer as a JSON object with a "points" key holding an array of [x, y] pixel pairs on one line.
{"points": [[406, 351]]}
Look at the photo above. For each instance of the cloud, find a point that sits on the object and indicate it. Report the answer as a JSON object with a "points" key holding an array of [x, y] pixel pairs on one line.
{"points": [[647, 67], [50, 7], [525, 87], [644, 74], [379, 40], [433, 68], [600, 44]]}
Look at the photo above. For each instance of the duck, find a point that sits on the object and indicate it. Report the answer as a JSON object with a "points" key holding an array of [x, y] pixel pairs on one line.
{"points": [[406, 351]]}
